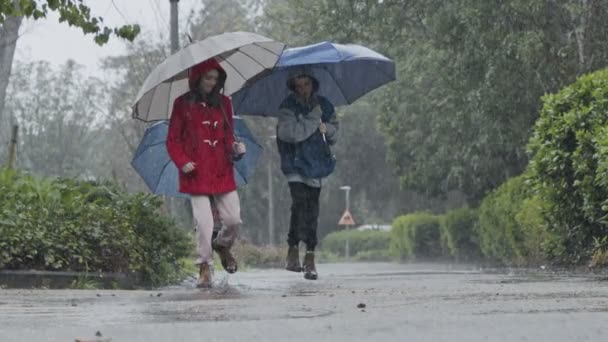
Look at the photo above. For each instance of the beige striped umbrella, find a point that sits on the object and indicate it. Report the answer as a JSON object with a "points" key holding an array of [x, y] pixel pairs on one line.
{"points": [[243, 55]]}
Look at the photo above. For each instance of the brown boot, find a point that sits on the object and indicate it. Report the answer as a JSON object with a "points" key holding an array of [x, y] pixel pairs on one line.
{"points": [[204, 276], [293, 259], [228, 261], [309, 268]]}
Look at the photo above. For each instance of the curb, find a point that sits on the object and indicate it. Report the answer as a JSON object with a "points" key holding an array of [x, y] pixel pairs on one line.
{"points": [[31, 279]]}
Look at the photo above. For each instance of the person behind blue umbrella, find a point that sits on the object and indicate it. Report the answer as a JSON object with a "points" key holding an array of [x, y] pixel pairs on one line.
{"points": [[306, 127]]}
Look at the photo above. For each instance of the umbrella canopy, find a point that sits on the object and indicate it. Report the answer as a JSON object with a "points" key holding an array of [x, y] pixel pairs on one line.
{"points": [[345, 73], [243, 55], [155, 167]]}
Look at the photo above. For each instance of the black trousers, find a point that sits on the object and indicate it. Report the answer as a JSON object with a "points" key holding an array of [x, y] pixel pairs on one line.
{"points": [[304, 215]]}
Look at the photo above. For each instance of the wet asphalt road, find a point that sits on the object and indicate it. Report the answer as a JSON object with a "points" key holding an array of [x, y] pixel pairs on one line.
{"points": [[419, 302]]}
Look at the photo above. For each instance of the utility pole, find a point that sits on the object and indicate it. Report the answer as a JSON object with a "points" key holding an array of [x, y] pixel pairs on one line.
{"points": [[174, 26], [174, 36], [12, 147], [347, 219], [346, 188], [270, 205], [271, 239]]}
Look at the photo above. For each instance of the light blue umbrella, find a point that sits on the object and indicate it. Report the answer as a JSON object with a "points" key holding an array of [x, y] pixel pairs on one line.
{"points": [[152, 162], [345, 73]]}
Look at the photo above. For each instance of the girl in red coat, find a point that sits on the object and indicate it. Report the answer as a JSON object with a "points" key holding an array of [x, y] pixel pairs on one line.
{"points": [[202, 145]]}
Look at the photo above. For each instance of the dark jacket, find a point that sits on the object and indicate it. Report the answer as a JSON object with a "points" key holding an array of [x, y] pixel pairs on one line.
{"points": [[301, 146]]}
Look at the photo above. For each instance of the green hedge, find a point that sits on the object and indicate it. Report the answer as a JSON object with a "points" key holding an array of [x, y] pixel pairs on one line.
{"points": [[376, 255], [69, 225], [359, 241], [249, 255], [418, 235], [512, 225], [499, 234], [569, 165], [599, 257], [461, 231]]}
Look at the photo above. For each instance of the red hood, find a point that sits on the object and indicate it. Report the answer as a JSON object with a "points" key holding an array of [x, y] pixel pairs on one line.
{"points": [[198, 70]]}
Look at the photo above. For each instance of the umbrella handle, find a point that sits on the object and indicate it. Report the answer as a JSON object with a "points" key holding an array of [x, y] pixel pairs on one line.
{"points": [[327, 149], [323, 134]]}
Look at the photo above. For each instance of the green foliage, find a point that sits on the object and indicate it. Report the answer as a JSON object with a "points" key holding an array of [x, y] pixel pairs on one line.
{"points": [[539, 244], [376, 255], [358, 241], [324, 256], [71, 225], [250, 255], [570, 163], [73, 12], [470, 75], [418, 236], [85, 283], [499, 234], [599, 257], [512, 225], [460, 229]]}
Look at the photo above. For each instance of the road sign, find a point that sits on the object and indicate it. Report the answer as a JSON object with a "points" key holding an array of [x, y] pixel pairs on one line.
{"points": [[347, 219]]}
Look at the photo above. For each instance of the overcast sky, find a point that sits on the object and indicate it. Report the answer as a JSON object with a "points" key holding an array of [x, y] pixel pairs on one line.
{"points": [[47, 39]]}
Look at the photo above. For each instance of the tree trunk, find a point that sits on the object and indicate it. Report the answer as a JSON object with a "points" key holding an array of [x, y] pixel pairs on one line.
{"points": [[9, 33], [581, 22]]}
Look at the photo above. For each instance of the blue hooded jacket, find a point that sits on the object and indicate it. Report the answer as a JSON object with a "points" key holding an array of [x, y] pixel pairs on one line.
{"points": [[301, 145]]}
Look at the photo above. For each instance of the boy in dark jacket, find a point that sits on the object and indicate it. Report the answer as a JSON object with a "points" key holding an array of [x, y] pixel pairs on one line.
{"points": [[306, 128]]}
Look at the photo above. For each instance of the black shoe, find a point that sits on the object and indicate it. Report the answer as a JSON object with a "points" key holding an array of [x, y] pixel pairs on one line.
{"points": [[293, 259], [310, 271]]}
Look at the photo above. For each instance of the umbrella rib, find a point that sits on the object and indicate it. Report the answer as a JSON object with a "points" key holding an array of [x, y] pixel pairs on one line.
{"points": [[338, 84], [155, 144], [168, 93], [167, 114], [253, 59], [272, 52], [157, 90], [390, 77], [242, 174], [161, 174], [235, 69]]}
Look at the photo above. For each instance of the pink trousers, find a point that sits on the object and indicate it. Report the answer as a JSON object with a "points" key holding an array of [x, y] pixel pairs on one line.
{"points": [[230, 214]]}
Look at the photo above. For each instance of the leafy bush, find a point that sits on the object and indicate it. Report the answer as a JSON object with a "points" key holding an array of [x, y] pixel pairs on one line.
{"points": [[512, 225], [570, 164], [71, 225], [539, 244], [417, 235], [324, 256], [500, 235], [250, 255], [460, 229], [358, 241], [374, 255], [599, 257]]}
